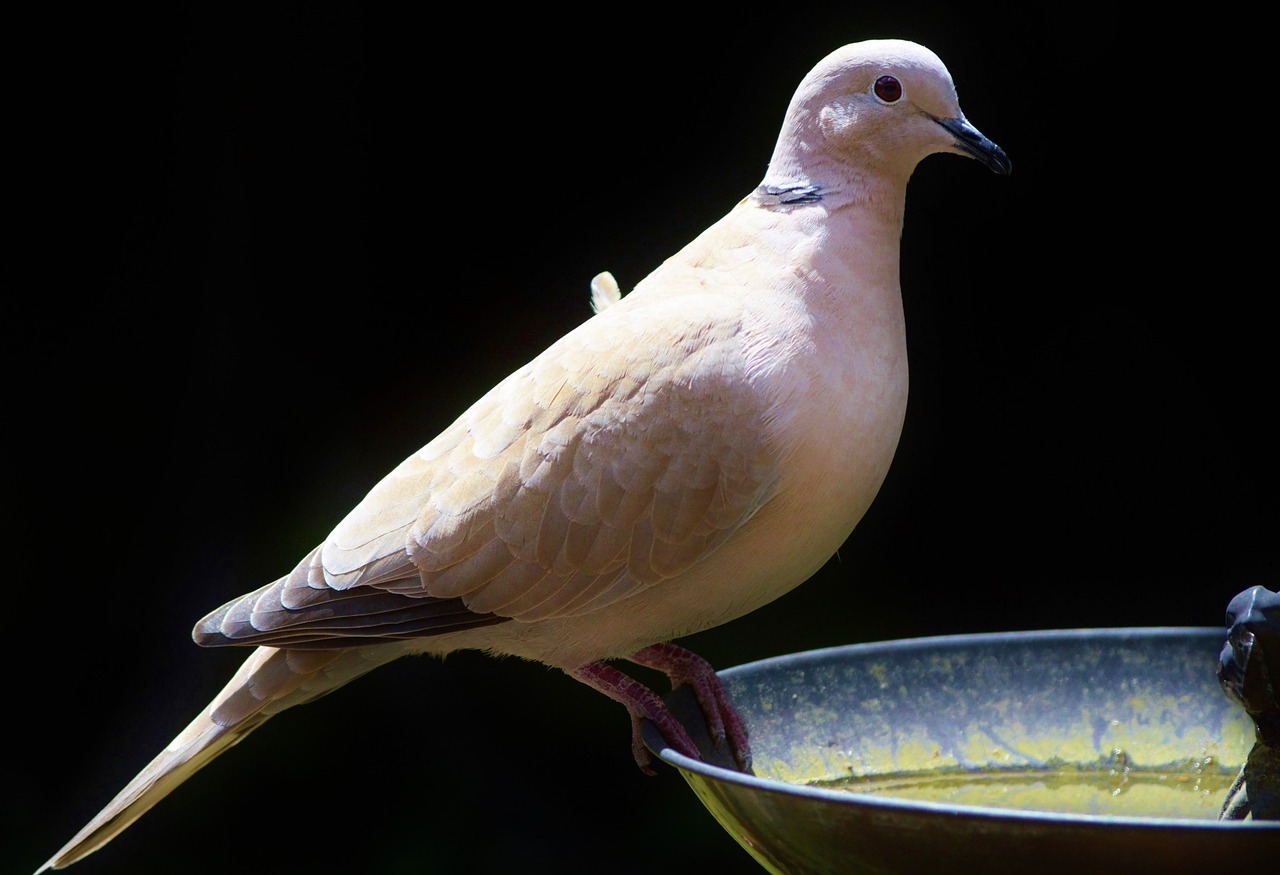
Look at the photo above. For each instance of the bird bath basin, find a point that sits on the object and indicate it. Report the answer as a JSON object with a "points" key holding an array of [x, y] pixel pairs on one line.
{"points": [[1058, 751]]}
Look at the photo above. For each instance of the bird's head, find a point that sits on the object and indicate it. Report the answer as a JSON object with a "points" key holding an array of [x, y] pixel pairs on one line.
{"points": [[876, 108]]}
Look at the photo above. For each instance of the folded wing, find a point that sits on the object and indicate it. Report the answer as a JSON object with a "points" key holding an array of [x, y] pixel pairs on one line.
{"points": [[615, 460]]}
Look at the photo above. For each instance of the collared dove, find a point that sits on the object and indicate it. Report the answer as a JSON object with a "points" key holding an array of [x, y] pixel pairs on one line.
{"points": [[694, 450]]}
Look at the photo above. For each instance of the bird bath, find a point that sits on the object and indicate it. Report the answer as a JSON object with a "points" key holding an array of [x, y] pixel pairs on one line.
{"points": [[1055, 751]]}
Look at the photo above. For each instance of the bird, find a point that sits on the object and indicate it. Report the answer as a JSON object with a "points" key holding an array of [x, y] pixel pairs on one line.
{"points": [[693, 450]]}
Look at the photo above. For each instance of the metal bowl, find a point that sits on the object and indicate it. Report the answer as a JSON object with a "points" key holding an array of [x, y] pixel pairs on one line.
{"points": [[1145, 698]]}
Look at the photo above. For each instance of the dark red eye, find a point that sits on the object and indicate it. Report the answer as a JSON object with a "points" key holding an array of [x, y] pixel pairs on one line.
{"points": [[888, 89]]}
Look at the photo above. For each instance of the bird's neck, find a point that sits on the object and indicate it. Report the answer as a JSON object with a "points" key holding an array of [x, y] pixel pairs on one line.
{"points": [[804, 172], [833, 191], [832, 223], [803, 237]]}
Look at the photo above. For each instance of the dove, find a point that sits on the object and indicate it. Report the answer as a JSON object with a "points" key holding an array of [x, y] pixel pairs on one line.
{"points": [[692, 451]]}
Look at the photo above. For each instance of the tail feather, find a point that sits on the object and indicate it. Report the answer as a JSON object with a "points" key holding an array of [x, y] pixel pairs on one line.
{"points": [[198, 745], [269, 681]]}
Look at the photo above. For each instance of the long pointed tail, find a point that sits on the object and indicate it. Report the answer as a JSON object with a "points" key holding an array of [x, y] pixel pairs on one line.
{"points": [[269, 681]]}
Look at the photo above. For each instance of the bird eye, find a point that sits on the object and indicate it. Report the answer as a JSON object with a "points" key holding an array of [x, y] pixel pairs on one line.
{"points": [[888, 89]]}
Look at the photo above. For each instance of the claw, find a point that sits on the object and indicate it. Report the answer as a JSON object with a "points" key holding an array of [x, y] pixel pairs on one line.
{"points": [[684, 667], [640, 702]]}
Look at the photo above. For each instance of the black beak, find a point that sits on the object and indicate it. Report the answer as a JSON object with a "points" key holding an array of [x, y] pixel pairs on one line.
{"points": [[974, 144]]}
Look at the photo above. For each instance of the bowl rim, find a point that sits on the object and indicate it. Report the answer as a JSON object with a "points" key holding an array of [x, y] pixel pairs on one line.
{"points": [[653, 739]]}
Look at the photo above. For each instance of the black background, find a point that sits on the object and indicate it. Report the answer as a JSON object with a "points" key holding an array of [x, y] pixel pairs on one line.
{"points": [[265, 257]]}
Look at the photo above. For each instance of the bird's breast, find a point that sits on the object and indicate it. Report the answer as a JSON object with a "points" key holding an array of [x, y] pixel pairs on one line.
{"points": [[838, 408]]}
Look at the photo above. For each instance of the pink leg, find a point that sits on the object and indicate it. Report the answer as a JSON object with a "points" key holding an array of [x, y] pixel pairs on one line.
{"points": [[686, 667], [640, 701]]}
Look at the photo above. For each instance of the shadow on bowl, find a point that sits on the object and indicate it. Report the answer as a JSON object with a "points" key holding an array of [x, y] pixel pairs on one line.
{"points": [[1054, 751]]}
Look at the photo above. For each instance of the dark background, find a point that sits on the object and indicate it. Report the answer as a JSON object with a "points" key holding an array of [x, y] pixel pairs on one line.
{"points": [[264, 258]]}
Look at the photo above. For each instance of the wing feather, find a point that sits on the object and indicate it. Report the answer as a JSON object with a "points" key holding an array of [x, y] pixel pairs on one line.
{"points": [[602, 467]]}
